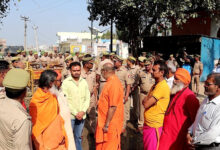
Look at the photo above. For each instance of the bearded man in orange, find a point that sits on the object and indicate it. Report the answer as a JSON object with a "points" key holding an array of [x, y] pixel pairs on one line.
{"points": [[110, 111], [48, 126]]}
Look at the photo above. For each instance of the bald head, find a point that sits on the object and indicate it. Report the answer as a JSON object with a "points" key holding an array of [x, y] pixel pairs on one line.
{"points": [[108, 67], [108, 70]]}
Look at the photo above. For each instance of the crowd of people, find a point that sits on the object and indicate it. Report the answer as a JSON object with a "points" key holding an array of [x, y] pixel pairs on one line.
{"points": [[159, 97]]}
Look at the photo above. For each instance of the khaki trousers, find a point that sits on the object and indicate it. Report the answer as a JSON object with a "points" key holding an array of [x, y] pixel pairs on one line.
{"points": [[195, 83], [92, 114], [142, 109], [127, 107]]}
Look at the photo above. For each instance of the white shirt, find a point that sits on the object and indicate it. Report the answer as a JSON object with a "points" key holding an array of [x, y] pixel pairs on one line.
{"points": [[170, 81], [206, 128]]}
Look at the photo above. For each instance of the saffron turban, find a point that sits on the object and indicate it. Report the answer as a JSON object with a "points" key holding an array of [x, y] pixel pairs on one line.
{"points": [[183, 75]]}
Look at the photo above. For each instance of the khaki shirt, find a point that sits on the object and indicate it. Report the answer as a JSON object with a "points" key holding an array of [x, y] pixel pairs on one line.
{"points": [[15, 126], [30, 58], [60, 61], [146, 81], [75, 58], [90, 78], [65, 73], [100, 67], [133, 75], [198, 67], [44, 60], [23, 59], [123, 75]]}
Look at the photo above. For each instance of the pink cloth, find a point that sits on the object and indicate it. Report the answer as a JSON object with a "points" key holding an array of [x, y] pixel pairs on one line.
{"points": [[150, 137]]}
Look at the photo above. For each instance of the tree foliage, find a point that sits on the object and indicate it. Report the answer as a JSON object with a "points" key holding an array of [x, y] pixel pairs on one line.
{"points": [[4, 7], [136, 19]]}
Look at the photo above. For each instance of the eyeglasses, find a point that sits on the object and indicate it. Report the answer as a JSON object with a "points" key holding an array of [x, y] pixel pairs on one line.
{"points": [[208, 84]]}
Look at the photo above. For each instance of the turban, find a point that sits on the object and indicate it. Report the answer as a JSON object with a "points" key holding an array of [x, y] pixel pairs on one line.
{"points": [[183, 75], [59, 76]]}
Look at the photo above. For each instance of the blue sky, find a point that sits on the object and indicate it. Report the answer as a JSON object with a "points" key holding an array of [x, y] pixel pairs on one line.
{"points": [[51, 16]]}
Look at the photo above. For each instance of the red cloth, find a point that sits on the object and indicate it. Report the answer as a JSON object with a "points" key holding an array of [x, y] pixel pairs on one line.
{"points": [[179, 117], [23, 104]]}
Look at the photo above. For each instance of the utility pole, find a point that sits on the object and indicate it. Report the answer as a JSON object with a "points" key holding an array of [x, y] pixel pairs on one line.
{"points": [[111, 43], [25, 19], [91, 36], [36, 37]]}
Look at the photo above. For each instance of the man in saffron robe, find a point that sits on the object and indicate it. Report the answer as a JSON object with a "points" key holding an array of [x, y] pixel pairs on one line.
{"points": [[48, 126], [110, 111], [180, 113]]}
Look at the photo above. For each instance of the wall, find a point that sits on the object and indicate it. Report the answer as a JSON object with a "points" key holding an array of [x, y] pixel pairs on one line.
{"points": [[195, 26]]}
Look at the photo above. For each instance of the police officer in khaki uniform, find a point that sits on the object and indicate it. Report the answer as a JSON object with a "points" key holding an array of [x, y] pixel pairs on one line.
{"points": [[30, 57], [76, 57], [172, 60], [100, 78], [61, 59], [44, 60], [141, 62], [197, 72], [133, 74], [112, 56], [17, 63], [24, 57], [15, 126], [146, 82], [90, 77], [35, 63], [66, 72], [123, 75]]}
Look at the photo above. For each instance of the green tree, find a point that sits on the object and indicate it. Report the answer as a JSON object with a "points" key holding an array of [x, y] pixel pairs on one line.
{"points": [[107, 35], [136, 19]]}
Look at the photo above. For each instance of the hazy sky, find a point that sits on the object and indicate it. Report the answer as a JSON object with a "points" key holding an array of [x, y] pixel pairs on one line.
{"points": [[51, 16]]}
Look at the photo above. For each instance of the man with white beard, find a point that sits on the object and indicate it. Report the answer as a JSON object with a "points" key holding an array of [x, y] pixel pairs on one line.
{"points": [[180, 113], [64, 110]]}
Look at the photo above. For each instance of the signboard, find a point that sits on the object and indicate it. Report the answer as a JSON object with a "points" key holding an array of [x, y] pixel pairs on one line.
{"points": [[75, 48]]}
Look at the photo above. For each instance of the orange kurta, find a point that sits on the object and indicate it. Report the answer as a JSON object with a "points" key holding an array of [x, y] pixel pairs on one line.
{"points": [[47, 130], [112, 95]]}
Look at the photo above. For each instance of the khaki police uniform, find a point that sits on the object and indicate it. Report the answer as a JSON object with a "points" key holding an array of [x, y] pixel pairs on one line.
{"points": [[90, 77], [66, 71], [44, 60], [146, 82], [23, 58], [197, 70], [15, 126], [35, 63], [133, 74], [30, 58], [102, 80], [75, 58], [123, 75]]}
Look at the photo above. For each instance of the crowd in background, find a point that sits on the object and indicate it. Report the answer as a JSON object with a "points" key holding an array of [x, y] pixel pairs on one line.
{"points": [[159, 97]]}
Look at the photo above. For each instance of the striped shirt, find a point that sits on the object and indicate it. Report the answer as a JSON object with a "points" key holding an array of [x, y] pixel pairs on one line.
{"points": [[206, 128]]}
